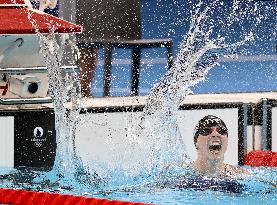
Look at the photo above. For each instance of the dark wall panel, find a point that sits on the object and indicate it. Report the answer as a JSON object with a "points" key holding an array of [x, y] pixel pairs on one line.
{"points": [[34, 138]]}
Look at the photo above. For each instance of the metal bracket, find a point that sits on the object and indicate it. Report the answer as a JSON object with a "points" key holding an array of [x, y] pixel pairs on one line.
{"points": [[18, 101]]}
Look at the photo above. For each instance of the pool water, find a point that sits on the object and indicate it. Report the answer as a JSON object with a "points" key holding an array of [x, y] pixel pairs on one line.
{"points": [[191, 196], [260, 187]]}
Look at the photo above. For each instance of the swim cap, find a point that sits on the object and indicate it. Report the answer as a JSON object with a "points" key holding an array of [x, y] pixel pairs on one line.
{"points": [[208, 122]]}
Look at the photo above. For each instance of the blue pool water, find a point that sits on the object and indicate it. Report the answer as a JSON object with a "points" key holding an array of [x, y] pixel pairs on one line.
{"points": [[260, 187]]}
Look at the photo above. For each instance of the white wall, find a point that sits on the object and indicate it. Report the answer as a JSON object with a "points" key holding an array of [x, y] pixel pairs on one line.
{"points": [[274, 129], [7, 141], [257, 131], [105, 139], [106, 136]]}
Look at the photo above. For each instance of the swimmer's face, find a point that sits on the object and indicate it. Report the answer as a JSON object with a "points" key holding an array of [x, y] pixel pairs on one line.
{"points": [[212, 143]]}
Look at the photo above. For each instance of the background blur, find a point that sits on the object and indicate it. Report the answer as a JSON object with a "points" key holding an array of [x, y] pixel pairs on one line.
{"points": [[254, 71]]}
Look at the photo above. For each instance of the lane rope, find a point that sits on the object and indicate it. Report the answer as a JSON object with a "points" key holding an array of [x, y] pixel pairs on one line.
{"points": [[261, 158], [24, 197]]}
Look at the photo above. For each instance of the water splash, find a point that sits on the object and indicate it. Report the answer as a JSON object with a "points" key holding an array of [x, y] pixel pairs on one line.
{"points": [[199, 52], [157, 131], [65, 90], [156, 138]]}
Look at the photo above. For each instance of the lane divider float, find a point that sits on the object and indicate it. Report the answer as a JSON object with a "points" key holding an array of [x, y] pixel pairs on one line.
{"points": [[261, 158], [24, 197]]}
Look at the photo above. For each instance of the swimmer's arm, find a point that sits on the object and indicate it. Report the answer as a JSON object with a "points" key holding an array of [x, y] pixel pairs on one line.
{"points": [[242, 171], [239, 170], [233, 170]]}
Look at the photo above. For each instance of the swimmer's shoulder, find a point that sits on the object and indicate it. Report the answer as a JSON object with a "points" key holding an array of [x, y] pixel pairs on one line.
{"points": [[231, 170]]}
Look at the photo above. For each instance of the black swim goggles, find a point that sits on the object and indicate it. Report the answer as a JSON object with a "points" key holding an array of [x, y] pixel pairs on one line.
{"points": [[208, 130]]}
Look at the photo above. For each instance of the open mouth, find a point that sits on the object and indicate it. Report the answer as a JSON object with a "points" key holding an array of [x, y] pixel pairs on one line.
{"points": [[215, 147]]}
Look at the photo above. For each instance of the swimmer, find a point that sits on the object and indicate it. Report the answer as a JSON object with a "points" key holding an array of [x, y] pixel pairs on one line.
{"points": [[211, 140]]}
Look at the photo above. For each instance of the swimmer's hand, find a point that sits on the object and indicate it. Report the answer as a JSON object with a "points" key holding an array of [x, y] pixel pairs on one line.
{"points": [[233, 171]]}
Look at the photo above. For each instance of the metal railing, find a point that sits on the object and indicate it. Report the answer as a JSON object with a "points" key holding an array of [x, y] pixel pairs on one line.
{"points": [[136, 46], [67, 69]]}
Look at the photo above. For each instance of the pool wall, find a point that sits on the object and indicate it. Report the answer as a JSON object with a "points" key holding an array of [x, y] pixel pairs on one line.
{"points": [[28, 136], [104, 137]]}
